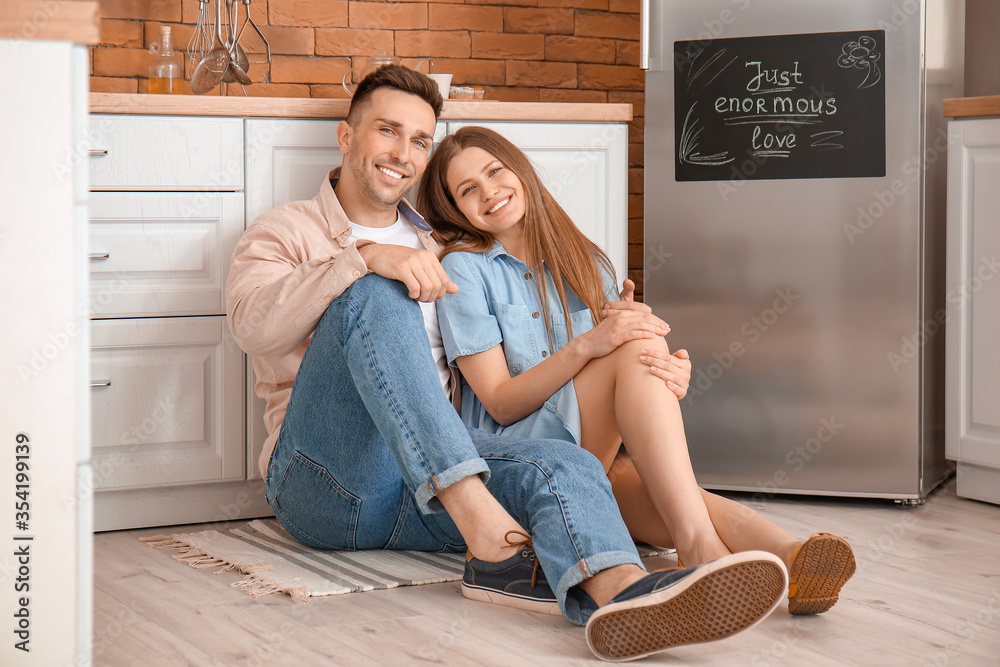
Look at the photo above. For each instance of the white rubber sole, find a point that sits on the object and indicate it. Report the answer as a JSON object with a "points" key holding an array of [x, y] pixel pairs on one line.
{"points": [[717, 600], [494, 597]]}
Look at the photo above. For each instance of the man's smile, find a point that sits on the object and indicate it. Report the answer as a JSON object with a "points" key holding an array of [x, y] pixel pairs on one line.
{"points": [[391, 173]]}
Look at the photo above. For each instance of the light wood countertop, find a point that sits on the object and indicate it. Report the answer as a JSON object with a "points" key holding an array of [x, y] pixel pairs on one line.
{"points": [[300, 107], [57, 21], [972, 107]]}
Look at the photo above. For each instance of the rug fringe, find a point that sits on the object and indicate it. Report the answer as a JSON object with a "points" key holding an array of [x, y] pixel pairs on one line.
{"points": [[254, 569], [162, 542], [299, 594], [256, 587], [198, 558]]}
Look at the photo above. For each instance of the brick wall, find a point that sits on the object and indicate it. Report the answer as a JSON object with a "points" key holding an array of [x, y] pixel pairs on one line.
{"points": [[519, 50]]}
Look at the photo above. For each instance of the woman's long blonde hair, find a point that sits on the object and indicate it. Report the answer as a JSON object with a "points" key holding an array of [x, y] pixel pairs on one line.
{"points": [[550, 236]]}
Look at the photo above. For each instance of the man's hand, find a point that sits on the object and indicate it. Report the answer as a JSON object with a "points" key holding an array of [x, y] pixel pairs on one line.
{"points": [[620, 327], [418, 269], [627, 302], [628, 290], [674, 369]]}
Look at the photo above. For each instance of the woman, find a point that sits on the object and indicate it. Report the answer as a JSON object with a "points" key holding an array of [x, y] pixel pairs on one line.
{"points": [[546, 350]]}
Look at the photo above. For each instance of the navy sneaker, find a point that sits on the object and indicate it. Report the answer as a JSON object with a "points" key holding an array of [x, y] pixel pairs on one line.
{"points": [[688, 606], [516, 582]]}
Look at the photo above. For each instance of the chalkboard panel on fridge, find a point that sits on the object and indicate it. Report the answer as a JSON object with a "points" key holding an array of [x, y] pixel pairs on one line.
{"points": [[780, 107]]}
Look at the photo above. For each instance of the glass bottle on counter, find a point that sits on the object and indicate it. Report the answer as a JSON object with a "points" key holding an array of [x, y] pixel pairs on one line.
{"points": [[166, 72]]}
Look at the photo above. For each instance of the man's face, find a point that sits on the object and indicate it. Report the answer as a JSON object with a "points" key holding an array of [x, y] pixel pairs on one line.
{"points": [[387, 148]]}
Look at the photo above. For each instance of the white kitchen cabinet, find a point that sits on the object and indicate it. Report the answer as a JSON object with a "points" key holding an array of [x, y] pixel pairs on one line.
{"points": [[972, 417], [168, 381], [154, 253], [166, 402], [585, 167], [142, 153]]}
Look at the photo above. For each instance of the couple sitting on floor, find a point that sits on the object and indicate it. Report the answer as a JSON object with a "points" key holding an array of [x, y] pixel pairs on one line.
{"points": [[358, 314]]}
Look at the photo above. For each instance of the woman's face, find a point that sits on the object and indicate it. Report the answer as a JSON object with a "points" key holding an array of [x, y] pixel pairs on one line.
{"points": [[488, 194]]}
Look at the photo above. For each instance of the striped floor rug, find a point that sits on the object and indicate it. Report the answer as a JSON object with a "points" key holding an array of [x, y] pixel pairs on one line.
{"points": [[275, 562]]}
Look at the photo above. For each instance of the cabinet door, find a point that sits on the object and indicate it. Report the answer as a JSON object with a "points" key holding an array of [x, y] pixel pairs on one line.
{"points": [[167, 402], [972, 422], [287, 160], [585, 167], [161, 253]]}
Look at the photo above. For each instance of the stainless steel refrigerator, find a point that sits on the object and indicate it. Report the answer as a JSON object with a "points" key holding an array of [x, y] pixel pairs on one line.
{"points": [[794, 235]]}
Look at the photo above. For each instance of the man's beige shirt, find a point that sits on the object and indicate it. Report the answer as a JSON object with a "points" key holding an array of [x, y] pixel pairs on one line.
{"points": [[287, 268]]}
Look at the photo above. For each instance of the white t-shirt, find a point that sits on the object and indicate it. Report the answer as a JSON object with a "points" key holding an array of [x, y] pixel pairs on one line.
{"points": [[402, 233]]}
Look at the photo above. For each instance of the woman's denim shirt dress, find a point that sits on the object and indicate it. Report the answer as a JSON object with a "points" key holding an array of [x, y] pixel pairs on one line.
{"points": [[497, 302]]}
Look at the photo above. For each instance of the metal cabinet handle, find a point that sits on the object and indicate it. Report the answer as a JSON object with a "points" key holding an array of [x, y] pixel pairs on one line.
{"points": [[98, 152], [644, 35], [100, 383], [99, 255]]}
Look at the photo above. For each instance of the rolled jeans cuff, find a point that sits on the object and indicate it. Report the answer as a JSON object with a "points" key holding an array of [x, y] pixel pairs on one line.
{"points": [[426, 493], [577, 609]]}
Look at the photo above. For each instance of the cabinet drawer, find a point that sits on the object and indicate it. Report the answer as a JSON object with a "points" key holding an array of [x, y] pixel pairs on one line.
{"points": [[161, 253], [156, 153], [166, 402]]}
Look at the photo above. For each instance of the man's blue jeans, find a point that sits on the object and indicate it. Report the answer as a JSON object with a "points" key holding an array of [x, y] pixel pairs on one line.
{"points": [[370, 438]]}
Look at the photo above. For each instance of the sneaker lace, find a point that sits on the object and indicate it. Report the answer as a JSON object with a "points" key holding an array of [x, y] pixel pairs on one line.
{"points": [[528, 550]]}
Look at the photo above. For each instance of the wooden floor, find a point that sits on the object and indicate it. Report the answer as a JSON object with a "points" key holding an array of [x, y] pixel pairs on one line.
{"points": [[926, 593]]}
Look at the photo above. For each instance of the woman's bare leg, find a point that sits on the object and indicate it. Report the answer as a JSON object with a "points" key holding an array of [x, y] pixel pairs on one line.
{"points": [[621, 400], [743, 529], [739, 527], [637, 509]]}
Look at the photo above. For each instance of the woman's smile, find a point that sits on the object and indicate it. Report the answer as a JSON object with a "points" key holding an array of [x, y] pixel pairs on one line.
{"points": [[499, 204]]}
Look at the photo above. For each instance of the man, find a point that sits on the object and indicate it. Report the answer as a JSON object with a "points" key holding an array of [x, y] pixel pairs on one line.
{"points": [[333, 298]]}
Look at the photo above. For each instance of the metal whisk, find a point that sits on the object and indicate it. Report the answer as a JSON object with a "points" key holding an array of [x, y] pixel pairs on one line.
{"points": [[267, 45], [201, 41]]}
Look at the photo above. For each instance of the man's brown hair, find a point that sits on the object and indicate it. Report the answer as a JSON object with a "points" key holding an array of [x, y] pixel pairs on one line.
{"points": [[400, 78]]}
